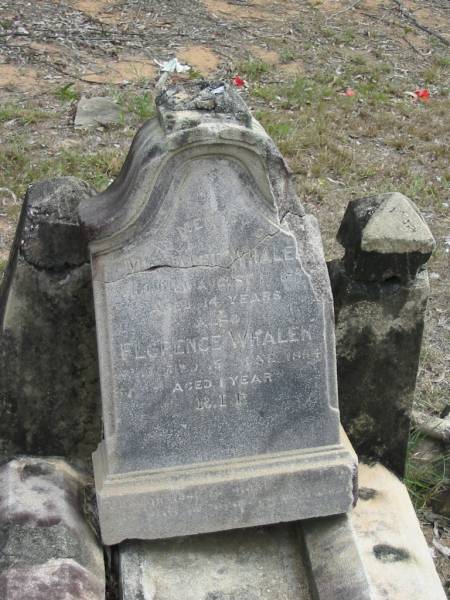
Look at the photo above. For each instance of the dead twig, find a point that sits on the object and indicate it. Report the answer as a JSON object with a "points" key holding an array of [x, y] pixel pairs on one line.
{"points": [[432, 426], [405, 12], [339, 12], [405, 39], [71, 75]]}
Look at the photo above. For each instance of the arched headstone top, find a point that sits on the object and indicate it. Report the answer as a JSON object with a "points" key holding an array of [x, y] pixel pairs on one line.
{"points": [[192, 122]]}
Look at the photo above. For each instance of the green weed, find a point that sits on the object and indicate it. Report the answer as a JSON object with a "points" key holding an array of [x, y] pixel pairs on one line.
{"points": [[253, 68], [3, 264], [66, 93], [142, 106], [193, 74], [287, 55]]}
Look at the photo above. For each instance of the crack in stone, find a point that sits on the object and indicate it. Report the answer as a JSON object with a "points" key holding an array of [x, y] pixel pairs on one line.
{"points": [[206, 265]]}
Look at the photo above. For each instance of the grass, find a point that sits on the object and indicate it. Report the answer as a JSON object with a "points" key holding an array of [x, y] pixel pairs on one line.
{"points": [[140, 106], [252, 69], [314, 123], [66, 93], [23, 115], [287, 55], [425, 480], [18, 168], [21, 164]]}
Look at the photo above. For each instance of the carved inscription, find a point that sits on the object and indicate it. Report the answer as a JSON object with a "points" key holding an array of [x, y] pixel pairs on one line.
{"points": [[231, 331], [219, 350], [214, 389], [229, 341], [245, 262]]}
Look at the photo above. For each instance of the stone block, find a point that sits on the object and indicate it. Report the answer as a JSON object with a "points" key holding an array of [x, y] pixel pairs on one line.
{"points": [[380, 291], [336, 570], [215, 327], [92, 112], [49, 390], [377, 551], [385, 238], [248, 564], [379, 330], [48, 548]]}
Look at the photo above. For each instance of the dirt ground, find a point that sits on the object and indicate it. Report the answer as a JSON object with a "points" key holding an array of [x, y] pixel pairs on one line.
{"points": [[331, 81]]}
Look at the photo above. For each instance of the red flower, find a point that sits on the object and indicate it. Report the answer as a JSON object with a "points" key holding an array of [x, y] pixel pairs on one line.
{"points": [[422, 94], [349, 92], [238, 81]]}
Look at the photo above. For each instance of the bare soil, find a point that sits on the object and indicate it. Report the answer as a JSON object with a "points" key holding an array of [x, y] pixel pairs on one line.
{"points": [[298, 57]]}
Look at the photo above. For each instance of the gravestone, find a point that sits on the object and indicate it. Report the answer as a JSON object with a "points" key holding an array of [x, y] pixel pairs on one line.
{"points": [[215, 332], [49, 384]]}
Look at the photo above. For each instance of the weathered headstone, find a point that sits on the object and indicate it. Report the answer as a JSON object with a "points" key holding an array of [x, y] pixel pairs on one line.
{"points": [[49, 384], [380, 293], [215, 330]]}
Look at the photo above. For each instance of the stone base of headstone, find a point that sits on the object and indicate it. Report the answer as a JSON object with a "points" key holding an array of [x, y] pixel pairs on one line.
{"points": [[48, 548], [378, 551], [220, 494]]}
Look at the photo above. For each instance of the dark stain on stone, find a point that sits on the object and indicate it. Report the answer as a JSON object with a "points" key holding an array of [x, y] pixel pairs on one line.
{"points": [[390, 554], [23, 517], [4, 537], [365, 493], [49, 521], [3, 586], [36, 470], [28, 518], [237, 594]]}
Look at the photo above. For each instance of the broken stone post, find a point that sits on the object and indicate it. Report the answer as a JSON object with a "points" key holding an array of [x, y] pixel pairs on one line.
{"points": [[215, 329], [49, 391], [48, 549], [380, 294]]}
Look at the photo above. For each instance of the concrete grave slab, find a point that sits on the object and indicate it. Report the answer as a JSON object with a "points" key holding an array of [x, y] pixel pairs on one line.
{"points": [[392, 546], [215, 332], [377, 552], [298, 561], [247, 564], [335, 567]]}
